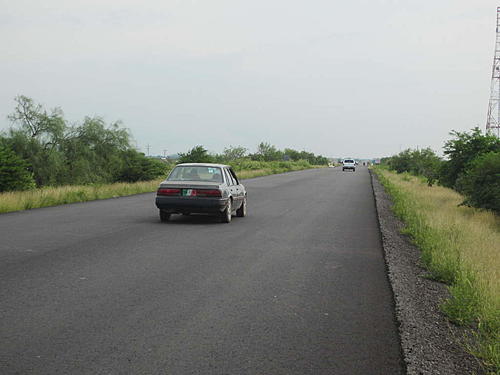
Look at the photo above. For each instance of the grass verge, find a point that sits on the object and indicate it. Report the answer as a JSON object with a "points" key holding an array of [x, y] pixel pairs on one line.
{"points": [[460, 246], [53, 196]]}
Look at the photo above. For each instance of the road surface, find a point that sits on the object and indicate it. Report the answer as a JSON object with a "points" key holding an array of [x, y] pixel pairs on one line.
{"points": [[297, 287]]}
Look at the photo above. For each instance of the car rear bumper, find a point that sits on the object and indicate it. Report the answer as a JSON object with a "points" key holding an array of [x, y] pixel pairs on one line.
{"points": [[191, 204]]}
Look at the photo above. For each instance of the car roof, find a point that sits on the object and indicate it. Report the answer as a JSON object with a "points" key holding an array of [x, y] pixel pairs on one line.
{"points": [[203, 165]]}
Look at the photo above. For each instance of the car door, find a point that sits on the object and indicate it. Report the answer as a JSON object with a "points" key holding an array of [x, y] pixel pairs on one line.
{"points": [[231, 186], [240, 190]]}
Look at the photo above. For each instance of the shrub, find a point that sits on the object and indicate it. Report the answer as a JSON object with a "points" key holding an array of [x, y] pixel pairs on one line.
{"points": [[14, 174], [480, 183], [461, 151], [137, 167], [417, 162]]}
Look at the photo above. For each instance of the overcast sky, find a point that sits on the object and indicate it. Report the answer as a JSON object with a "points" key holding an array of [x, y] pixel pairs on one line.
{"points": [[340, 78]]}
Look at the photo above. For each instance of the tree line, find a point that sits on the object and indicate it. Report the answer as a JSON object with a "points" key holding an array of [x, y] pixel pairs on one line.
{"points": [[471, 166], [43, 149], [266, 152]]}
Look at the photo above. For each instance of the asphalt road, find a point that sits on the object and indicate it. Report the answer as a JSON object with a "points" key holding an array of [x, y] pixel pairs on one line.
{"points": [[297, 287]]}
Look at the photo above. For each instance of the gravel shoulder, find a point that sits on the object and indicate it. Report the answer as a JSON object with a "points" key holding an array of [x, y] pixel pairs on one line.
{"points": [[429, 341]]}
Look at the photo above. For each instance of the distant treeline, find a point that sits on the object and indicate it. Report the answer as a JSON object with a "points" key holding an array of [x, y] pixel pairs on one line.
{"points": [[43, 149], [471, 167], [238, 155]]}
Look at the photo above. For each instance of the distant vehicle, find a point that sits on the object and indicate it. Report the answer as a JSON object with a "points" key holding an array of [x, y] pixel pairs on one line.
{"points": [[349, 164], [202, 188]]}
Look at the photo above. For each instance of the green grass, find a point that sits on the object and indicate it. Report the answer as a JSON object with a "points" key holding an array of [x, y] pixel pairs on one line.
{"points": [[460, 246], [53, 196]]}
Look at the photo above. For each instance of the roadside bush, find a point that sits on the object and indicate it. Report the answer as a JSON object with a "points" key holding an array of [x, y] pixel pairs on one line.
{"points": [[423, 162], [137, 167], [14, 174], [461, 151], [480, 183]]}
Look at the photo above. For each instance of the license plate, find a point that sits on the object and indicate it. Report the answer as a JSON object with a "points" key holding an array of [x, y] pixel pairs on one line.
{"points": [[187, 192]]}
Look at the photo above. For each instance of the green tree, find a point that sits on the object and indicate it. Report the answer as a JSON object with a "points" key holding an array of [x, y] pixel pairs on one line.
{"points": [[46, 162], [480, 183], [35, 122], [233, 153], [267, 152], [14, 173], [197, 154], [38, 139], [292, 154], [94, 151], [461, 150], [91, 152]]}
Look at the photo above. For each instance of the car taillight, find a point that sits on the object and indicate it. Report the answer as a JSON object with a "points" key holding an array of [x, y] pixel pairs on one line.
{"points": [[207, 193], [163, 191]]}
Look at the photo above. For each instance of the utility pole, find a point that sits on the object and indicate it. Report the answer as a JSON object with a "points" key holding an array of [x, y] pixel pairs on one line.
{"points": [[147, 148], [165, 154], [493, 119]]}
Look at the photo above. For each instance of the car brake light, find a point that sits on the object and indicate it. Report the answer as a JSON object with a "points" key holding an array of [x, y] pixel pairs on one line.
{"points": [[163, 191], [207, 193]]}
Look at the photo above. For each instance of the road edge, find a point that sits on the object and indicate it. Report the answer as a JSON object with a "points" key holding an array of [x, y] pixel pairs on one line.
{"points": [[429, 342]]}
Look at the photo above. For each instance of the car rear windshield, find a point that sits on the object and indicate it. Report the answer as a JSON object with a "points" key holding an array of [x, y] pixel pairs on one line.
{"points": [[187, 173], [348, 161]]}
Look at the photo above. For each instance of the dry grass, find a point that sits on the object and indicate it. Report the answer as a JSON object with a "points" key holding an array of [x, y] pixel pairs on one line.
{"points": [[460, 246], [52, 196]]}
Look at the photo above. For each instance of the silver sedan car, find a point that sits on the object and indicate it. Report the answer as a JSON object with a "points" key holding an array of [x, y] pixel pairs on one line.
{"points": [[202, 188]]}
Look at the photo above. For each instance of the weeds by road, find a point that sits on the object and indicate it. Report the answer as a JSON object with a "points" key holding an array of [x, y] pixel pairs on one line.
{"points": [[460, 247]]}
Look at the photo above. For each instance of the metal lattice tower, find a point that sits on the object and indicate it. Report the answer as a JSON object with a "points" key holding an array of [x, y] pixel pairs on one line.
{"points": [[493, 120]]}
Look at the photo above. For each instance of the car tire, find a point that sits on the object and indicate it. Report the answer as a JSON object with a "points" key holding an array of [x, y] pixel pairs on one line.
{"points": [[227, 213], [242, 211], [164, 216], [343, 169]]}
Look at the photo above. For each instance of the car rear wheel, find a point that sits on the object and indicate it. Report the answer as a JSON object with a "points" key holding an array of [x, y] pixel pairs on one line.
{"points": [[164, 216], [226, 214], [242, 211]]}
